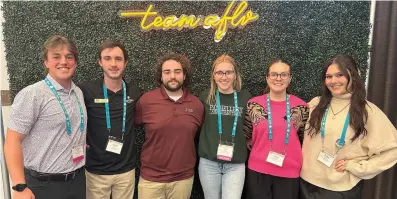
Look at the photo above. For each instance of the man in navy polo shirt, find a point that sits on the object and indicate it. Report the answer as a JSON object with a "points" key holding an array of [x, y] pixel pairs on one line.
{"points": [[171, 117], [111, 152]]}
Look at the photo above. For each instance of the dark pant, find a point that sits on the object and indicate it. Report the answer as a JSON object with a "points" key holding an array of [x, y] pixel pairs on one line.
{"points": [[263, 186], [310, 191], [71, 189]]}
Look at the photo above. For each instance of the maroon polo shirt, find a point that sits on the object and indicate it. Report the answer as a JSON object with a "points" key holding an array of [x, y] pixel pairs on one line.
{"points": [[168, 153]]}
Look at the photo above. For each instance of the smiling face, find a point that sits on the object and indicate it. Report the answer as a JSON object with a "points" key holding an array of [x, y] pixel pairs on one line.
{"points": [[336, 81], [61, 64], [224, 76], [113, 63], [279, 77], [172, 75]]}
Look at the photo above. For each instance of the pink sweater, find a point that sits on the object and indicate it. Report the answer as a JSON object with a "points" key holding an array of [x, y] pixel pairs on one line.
{"points": [[257, 112]]}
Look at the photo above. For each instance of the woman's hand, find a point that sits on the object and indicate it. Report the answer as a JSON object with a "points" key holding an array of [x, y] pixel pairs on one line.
{"points": [[341, 165]]}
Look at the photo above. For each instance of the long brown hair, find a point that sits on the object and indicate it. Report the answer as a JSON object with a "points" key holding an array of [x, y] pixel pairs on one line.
{"points": [[236, 84], [358, 112]]}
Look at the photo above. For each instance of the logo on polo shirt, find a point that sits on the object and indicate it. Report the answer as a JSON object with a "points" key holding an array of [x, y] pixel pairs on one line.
{"points": [[129, 100], [190, 110]]}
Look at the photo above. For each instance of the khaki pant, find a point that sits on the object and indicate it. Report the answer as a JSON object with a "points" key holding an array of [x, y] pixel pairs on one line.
{"points": [[121, 186], [171, 190]]}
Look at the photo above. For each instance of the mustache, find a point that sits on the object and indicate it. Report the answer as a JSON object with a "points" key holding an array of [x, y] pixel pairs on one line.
{"points": [[171, 80]]}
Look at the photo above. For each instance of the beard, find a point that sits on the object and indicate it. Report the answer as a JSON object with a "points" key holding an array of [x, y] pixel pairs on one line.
{"points": [[173, 89]]}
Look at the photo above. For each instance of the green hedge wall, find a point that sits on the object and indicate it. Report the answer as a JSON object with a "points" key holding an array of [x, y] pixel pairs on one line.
{"points": [[305, 33]]}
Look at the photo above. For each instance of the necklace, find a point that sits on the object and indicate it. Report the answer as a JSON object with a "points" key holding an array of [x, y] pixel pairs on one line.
{"points": [[333, 117]]}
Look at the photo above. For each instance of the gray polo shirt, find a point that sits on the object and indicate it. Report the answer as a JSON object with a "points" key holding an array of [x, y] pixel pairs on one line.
{"points": [[37, 114]]}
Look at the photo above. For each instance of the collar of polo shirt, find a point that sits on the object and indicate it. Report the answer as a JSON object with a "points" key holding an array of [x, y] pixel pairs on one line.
{"points": [[185, 97], [58, 87], [102, 81]]}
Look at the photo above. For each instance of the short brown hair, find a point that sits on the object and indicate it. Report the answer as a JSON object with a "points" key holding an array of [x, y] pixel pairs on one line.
{"points": [[112, 44], [56, 40], [183, 60]]}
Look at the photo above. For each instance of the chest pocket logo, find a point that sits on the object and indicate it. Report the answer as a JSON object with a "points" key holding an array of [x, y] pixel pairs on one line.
{"points": [[129, 100], [189, 110]]}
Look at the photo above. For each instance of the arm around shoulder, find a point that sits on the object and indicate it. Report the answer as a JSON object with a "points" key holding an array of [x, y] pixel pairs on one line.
{"points": [[314, 102]]}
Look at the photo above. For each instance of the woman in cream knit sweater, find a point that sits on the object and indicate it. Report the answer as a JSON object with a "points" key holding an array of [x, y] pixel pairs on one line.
{"points": [[347, 138]]}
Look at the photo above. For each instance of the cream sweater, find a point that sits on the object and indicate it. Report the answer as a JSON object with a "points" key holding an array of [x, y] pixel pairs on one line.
{"points": [[368, 156]]}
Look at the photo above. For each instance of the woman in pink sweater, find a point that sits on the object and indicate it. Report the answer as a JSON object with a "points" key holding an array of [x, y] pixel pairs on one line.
{"points": [[273, 122]]}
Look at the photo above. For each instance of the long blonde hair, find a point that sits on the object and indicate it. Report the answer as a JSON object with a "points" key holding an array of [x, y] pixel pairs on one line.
{"points": [[237, 81]]}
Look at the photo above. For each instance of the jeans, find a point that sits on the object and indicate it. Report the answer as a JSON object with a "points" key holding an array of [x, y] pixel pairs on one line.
{"points": [[221, 180]]}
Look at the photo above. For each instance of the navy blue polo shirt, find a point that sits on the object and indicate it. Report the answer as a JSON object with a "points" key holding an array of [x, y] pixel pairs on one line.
{"points": [[100, 161]]}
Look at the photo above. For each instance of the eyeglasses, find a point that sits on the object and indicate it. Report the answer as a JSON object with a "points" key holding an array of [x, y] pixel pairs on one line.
{"points": [[221, 73], [274, 76]]}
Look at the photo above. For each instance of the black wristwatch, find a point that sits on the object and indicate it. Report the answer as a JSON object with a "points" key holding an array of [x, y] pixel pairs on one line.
{"points": [[19, 187]]}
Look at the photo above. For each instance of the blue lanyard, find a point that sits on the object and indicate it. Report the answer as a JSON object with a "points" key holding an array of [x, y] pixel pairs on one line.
{"points": [[269, 119], [341, 141], [218, 107], [105, 95], [68, 125]]}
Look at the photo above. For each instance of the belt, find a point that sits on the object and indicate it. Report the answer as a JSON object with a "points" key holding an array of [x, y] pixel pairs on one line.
{"points": [[54, 176]]}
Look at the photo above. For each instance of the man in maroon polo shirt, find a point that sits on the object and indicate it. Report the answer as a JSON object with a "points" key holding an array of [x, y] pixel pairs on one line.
{"points": [[171, 117]]}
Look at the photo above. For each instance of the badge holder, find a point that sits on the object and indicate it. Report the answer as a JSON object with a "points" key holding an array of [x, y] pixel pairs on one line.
{"points": [[78, 153], [326, 157], [276, 158], [225, 151], [114, 145]]}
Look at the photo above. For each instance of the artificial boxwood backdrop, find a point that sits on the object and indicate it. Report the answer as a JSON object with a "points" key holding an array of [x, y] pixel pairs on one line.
{"points": [[305, 33]]}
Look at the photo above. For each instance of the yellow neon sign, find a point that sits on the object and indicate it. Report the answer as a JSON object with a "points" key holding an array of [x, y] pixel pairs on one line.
{"points": [[238, 18]]}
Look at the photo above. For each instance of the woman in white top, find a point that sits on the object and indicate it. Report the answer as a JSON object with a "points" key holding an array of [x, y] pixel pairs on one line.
{"points": [[347, 138]]}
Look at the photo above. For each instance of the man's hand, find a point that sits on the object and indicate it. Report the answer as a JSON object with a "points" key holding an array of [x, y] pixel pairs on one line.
{"points": [[25, 194]]}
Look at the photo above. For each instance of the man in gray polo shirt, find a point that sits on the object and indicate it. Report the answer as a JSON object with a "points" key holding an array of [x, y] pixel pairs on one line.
{"points": [[45, 141]]}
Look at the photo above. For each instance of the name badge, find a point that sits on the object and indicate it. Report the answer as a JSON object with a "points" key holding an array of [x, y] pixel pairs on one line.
{"points": [[114, 145], [78, 153], [275, 158], [225, 151], [326, 158], [101, 101]]}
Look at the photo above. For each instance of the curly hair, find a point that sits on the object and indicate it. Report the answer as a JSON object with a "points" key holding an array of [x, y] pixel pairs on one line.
{"points": [[183, 60]]}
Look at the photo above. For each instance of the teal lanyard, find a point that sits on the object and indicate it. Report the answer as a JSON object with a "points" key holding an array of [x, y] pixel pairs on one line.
{"points": [[270, 123], [68, 125], [341, 141], [218, 107], [105, 95]]}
